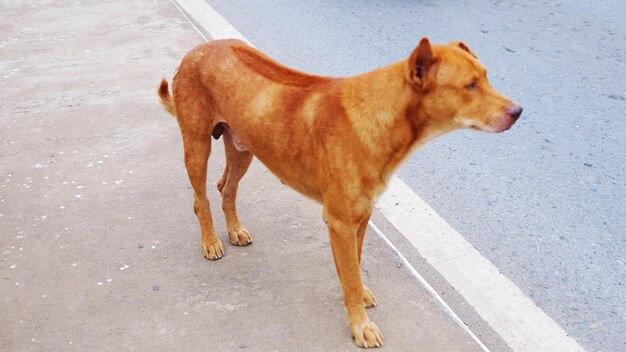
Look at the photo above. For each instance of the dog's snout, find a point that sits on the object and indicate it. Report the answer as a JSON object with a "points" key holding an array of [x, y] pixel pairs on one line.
{"points": [[515, 112]]}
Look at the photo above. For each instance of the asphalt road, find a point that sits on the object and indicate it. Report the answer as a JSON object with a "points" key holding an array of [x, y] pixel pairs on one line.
{"points": [[545, 202]]}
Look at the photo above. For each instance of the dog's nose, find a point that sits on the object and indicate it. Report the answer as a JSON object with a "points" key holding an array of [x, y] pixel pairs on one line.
{"points": [[515, 112]]}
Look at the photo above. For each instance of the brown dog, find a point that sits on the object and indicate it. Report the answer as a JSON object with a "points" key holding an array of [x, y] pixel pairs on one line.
{"points": [[335, 140]]}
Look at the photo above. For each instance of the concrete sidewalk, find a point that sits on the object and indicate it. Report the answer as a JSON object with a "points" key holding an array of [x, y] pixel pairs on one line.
{"points": [[100, 248]]}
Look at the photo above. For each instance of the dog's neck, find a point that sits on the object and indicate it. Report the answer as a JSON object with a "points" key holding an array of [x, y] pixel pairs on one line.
{"points": [[385, 113]]}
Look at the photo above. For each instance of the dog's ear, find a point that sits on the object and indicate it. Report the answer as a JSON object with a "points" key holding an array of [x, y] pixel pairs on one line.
{"points": [[421, 61], [464, 47]]}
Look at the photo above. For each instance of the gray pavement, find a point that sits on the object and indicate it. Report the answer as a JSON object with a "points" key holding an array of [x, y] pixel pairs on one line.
{"points": [[99, 246], [545, 201]]}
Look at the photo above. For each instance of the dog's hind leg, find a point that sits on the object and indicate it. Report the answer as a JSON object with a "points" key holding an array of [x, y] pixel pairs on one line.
{"points": [[222, 181], [237, 163], [194, 118]]}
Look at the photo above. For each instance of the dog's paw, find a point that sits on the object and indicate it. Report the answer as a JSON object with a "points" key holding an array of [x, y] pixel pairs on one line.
{"points": [[213, 250], [367, 335], [368, 298], [239, 236]]}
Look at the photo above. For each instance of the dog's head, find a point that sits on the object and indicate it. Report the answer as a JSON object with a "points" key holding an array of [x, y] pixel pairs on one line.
{"points": [[454, 91]]}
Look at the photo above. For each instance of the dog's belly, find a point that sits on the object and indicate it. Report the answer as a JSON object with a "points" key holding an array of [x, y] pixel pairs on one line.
{"points": [[292, 173], [283, 148], [293, 177]]}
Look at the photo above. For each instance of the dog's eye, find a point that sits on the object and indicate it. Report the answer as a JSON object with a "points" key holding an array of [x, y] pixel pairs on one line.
{"points": [[471, 86]]}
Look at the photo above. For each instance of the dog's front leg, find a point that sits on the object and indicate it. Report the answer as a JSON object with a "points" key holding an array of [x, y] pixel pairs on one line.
{"points": [[343, 240]]}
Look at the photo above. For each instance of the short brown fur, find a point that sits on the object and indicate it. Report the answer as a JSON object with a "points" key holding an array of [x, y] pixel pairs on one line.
{"points": [[335, 140]]}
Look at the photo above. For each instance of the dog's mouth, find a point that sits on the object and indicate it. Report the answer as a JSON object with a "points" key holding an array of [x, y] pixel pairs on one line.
{"points": [[497, 128], [503, 125], [499, 122], [496, 125]]}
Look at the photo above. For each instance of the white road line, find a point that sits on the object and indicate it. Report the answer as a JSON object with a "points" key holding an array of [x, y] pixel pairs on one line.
{"points": [[191, 21], [202, 14], [522, 325], [429, 288]]}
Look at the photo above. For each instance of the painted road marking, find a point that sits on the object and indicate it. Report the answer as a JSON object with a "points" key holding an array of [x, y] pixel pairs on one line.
{"points": [[429, 288], [202, 14], [522, 325]]}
